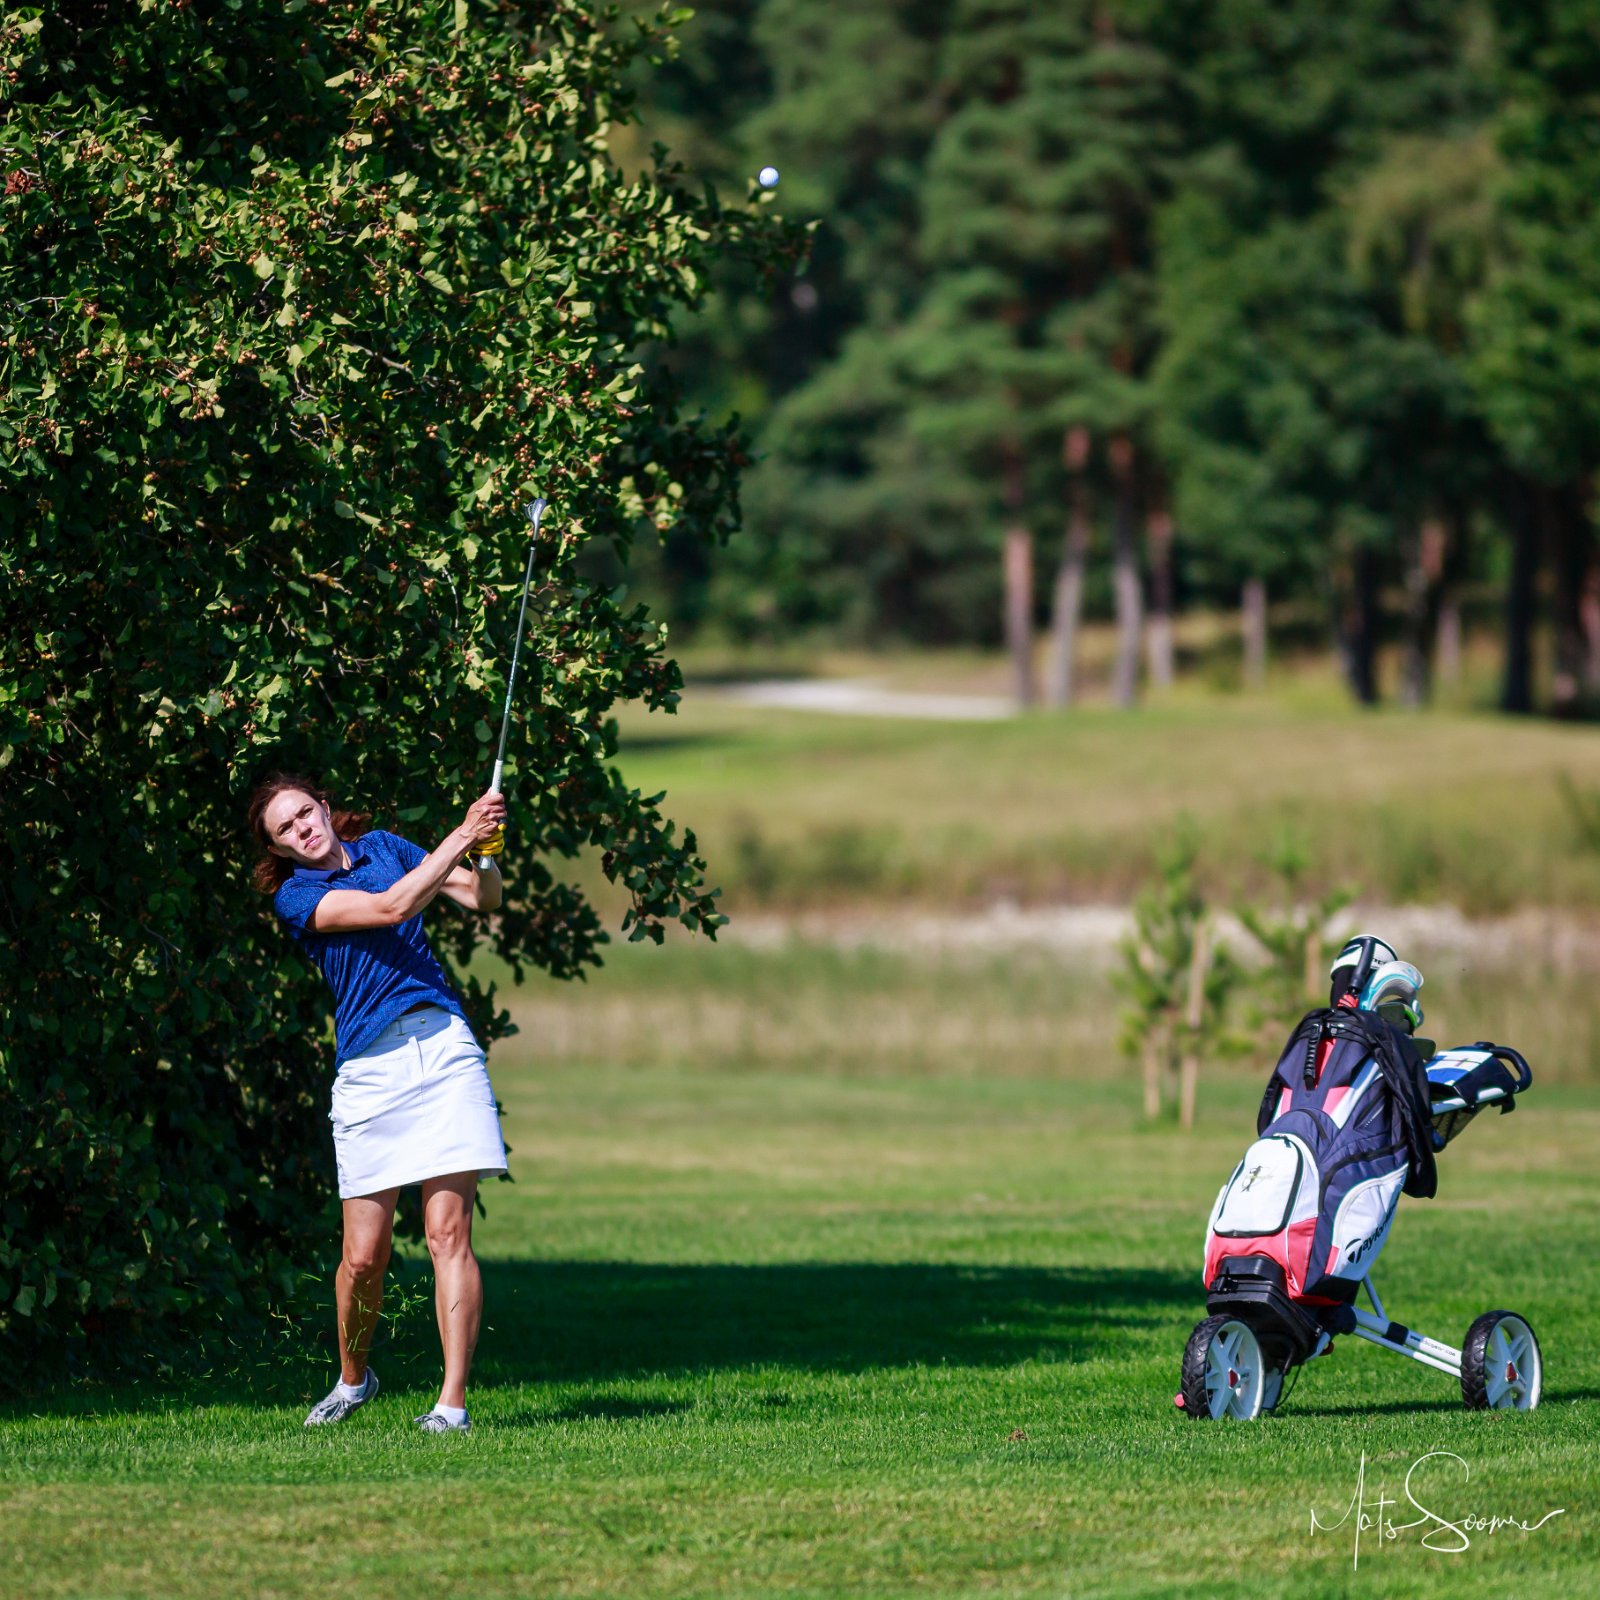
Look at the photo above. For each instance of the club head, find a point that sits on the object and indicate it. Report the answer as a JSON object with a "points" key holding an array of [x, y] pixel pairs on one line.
{"points": [[534, 513]]}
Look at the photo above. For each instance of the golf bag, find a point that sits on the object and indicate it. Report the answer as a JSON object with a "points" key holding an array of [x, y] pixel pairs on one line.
{"points": [[1352, 1118], [1345, 1127]]}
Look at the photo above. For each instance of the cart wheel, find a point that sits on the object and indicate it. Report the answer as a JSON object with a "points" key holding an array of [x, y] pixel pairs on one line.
{"points": [[1501, 1367], [1225, 1373]]}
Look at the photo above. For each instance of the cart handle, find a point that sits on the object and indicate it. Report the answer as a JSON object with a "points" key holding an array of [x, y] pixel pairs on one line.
{"points": [[1512, 1059]]}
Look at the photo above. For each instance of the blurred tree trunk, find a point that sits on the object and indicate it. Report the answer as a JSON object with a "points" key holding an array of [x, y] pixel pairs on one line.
{"points": [[1125, 573], [1424, 581], [1447, 645], [1516, 688], [1589, 615], [1253, 626], [1158, 634], [1359, 626], [1067, 610], [1572, 558], [1019, 582]]}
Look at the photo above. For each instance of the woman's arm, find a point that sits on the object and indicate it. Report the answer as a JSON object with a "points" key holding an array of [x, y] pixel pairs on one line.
{"points": [[475, 889], [344, 910]]}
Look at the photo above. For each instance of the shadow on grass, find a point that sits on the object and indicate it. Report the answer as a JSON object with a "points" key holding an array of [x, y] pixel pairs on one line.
{"points": [[1550, 1397], [594, 1321], [602, 1408], [585, 1320], [633, 742]]}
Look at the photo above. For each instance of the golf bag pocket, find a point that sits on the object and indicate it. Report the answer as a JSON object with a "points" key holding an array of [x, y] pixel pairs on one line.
{"points": [[1274, 1186], [1360, 1225]]}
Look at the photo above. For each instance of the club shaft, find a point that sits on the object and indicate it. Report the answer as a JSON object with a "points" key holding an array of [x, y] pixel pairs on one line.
{"points": [[535, 513], [516, 656]]}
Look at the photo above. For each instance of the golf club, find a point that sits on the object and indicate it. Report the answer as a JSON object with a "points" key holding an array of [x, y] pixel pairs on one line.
{"points": [[534, 512]]}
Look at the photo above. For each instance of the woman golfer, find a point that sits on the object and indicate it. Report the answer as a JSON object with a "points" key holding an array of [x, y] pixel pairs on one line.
{"points": [[411, 1102]]}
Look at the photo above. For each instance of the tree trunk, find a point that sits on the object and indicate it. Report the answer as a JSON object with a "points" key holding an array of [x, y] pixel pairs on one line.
{"points": [[1516, 688], [1589, 616], [1424, 576], [1447, 642], [1253, 625], [1152, 1080], [1125, 575], [1067, 609], [1158, 632], [1358, 632], [1193, 1016], [1316, 962], [1019, 586], [1572, 557]]}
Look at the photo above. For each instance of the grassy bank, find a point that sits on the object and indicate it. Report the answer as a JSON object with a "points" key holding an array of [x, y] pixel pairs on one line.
{"points": [[804, 809], [803, 1006]]}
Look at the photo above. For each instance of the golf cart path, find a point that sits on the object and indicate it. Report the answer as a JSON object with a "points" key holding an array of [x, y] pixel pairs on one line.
{"points": [[1091, 935], [861, 697]]}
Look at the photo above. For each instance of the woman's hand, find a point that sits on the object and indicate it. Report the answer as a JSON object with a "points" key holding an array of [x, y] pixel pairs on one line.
{"points": [[485, 817]]}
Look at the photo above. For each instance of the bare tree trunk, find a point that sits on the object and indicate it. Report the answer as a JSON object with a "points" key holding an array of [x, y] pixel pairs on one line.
{"points": [[1019, 585], [1423, 578], [1572, 549], [1447, 643], [1152, 1079], [1516, 688], [1253, 625], [1359, 627], [1589, 616], [1314, 966], [1067, 609], [1158, 631], [1125, 575], [1193, 1016]]}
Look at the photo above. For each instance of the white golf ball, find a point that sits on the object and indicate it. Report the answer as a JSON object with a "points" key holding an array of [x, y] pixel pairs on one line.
{"points": [[768, 177]]}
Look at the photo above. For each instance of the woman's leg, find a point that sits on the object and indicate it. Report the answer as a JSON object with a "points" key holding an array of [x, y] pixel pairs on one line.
{"points": [[358, 1285], [458, 1285]]}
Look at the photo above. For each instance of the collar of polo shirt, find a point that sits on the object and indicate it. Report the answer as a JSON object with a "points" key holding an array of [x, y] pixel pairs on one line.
{"points": [[358, 857]]}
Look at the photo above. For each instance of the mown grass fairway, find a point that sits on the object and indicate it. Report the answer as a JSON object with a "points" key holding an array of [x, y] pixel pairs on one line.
{"points": [[904, 1327]]}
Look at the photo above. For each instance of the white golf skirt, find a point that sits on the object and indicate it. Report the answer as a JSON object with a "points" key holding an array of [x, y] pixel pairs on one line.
{"points": [[416, 1105]]}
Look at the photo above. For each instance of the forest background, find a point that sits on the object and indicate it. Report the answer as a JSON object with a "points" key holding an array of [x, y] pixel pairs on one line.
{"points": [[1128, 308]]}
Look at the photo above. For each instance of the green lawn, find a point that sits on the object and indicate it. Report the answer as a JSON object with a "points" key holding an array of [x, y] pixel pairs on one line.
{"points": [[855, 1271], [907, 1323]]}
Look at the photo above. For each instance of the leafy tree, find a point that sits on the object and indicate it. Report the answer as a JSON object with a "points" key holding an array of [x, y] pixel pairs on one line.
{"points": [[1177, 980], [1422, 236], [298, 303], [1293, 940], [1535, 327], [1307, 420]]}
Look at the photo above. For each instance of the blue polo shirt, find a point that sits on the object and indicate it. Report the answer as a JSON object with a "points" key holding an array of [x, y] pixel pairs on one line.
{"points": [[376, 974]]}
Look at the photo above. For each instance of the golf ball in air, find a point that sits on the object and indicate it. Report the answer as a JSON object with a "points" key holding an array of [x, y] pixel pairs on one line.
{"points": [[768, 177]]}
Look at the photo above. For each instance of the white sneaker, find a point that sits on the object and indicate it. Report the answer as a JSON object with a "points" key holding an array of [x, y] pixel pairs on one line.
{"points": [[435, 1422], [338, 1406]]}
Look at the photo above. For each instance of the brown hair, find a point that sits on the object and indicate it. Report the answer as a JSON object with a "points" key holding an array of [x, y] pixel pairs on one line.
{"points": [[271, 870]]}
